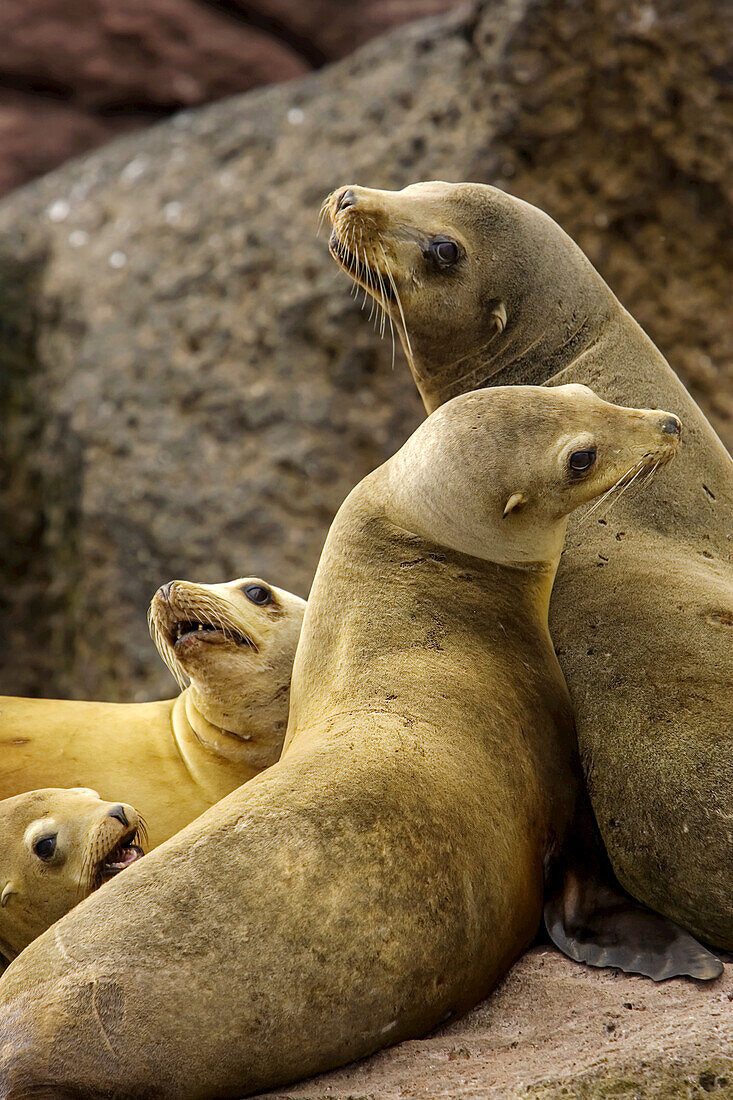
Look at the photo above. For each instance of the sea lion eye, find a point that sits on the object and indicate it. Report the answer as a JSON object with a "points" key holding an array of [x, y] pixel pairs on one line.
{"points": [[45, 846], [580, 461], [257, 593], [444, 251]]}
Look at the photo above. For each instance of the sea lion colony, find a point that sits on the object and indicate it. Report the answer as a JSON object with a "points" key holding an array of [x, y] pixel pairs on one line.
{"points": [[390, 867]]}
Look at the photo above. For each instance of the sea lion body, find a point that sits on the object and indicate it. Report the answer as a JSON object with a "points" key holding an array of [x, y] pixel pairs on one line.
{"points": [[386, 872], [172, 759], [642, 609], [56, 847], [148, 751]]}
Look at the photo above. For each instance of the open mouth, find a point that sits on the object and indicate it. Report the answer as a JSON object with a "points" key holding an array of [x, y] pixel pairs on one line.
{"points": [[368, 277], [189, 630], [124, 854]]}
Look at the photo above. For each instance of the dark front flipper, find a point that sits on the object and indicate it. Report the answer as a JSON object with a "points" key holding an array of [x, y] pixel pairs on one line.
{"points": [[590, 918]]}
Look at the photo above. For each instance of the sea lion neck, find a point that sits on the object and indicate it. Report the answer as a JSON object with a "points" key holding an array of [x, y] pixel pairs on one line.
{"points": [[255, 743], [558, 318], [406, 606], [530, 361]]}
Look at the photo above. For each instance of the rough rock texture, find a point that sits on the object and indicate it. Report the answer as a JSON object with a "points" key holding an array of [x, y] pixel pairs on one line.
{"points": [[74, 73], [556, 1030], [190, 390]]}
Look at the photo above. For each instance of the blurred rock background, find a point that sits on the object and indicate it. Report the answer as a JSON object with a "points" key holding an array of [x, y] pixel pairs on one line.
{"points": [[75, 73], [188, 390]]}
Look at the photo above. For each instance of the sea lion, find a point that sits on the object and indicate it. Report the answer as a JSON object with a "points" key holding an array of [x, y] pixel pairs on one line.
{"points": [[485, 289], [56, 847], [172, 759], [386, 872]]}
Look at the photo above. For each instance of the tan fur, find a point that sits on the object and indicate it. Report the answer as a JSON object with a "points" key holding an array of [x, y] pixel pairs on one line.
{"points": [[175, 758], [386, 872], [34, 893], [642, 613]]}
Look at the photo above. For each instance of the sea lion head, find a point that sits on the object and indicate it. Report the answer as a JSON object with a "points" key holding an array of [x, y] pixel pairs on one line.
{"points": [[475, 281], [56, 847], [495, 473], [234, 643]]}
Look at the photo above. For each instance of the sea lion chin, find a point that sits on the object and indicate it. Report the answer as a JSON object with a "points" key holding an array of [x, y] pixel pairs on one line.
{"points": [[644, 599]]}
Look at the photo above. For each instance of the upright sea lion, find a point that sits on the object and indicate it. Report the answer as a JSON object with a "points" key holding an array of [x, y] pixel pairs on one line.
{"points": [[487, 290], [172, 759], [386, 872], [56, 847]]}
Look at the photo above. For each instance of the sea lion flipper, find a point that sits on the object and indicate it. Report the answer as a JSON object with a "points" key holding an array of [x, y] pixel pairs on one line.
{"points": [[591, 919], [597, 925]]}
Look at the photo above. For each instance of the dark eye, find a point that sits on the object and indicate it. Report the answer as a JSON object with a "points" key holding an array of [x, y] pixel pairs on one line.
{"points": [[258, 594], [580, 461], [45, 846], [444, 252]]}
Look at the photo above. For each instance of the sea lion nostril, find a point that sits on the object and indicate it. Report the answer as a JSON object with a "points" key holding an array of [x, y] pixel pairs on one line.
{"points": [[165, 590], [118, 813], [346, 198], [671, 426]]}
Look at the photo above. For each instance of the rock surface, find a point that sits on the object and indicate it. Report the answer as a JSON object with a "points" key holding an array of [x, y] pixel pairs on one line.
{"points": [[557, 1030], [189, 389], [74, 73]]}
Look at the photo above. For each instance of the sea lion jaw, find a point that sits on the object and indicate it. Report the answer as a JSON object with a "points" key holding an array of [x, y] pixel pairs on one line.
{"points": [[58, 846], [452, 481], [468, 313], [234, 643]]}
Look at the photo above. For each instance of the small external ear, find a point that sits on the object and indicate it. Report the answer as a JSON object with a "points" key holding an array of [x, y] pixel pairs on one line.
{"points": [[498, 314], [514, 501], [8, 891]]}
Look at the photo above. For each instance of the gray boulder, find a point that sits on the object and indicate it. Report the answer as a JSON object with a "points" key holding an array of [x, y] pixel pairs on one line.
{"points": [[189, 390]]}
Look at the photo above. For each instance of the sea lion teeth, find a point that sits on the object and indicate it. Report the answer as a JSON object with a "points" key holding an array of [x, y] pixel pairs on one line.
{"points": [[123, 855], [173, 758], [649, 672]]}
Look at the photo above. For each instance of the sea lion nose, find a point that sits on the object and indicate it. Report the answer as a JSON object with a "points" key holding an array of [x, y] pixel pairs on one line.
{"points": [[670, 425], [118, 813], [346, 198], [165, 591]]}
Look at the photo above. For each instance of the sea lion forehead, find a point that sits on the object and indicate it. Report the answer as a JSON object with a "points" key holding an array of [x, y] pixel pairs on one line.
{"points": [[18, 810], [433, 205], [46, 802], [506, 406]]}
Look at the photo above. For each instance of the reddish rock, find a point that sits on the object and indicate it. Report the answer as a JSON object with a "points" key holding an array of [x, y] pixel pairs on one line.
{"points": [[75, 73]]}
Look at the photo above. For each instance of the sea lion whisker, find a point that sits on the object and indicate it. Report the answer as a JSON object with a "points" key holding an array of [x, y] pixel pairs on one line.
{"points": [[380, 303], [396, 293], [368, 278], [165, 649], [351, 264], [356, 266], [608, 493], [608, 497], [626, 486], [322, 215]]}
